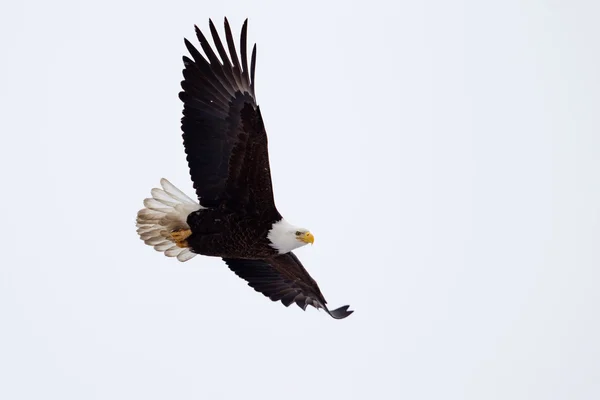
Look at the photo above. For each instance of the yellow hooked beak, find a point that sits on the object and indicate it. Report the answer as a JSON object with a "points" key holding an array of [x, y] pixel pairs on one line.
{"points": [[307, 238]]}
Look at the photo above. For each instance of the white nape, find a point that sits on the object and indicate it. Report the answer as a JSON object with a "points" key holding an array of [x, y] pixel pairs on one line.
{"points": [[283, 236]]}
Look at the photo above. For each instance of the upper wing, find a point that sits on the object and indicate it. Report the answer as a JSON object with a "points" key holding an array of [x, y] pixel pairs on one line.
{"points": [[223, 132], [284, 278]]}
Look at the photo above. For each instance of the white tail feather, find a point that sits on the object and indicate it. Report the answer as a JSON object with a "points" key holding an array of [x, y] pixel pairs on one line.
{"points": [[165, 212]]}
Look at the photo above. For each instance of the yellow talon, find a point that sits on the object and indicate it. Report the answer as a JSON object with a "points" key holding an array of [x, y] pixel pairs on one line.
{"points": [[180, 237]]}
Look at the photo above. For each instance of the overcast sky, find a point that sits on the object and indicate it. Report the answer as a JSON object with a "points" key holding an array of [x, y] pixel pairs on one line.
{"points": [[446, 155]]}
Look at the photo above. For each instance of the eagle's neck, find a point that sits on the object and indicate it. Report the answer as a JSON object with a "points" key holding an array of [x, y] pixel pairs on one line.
{"points": [[283, 237]]}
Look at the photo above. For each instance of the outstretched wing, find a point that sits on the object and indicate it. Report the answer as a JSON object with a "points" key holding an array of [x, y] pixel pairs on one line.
{"points": [[223, 131], [284, 278]]}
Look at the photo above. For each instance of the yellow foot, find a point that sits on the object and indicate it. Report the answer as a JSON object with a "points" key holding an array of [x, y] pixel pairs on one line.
{"points": [[180, 237]]}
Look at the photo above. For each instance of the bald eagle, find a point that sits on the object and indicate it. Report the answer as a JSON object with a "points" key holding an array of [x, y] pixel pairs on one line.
{"points": [[235, 217]]}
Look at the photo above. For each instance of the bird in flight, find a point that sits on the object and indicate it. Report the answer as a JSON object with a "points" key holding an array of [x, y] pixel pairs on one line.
{"points": [[235, 217]]}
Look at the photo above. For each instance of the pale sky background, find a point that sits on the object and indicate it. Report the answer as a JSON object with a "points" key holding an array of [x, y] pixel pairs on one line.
{"points": [[446, 155]]}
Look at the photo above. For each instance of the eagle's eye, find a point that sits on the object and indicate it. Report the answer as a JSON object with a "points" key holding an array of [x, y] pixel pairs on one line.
{"points": [[298, 233]]}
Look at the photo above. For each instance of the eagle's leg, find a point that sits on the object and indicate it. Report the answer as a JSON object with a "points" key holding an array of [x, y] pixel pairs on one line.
{"points": [[180, 237]]}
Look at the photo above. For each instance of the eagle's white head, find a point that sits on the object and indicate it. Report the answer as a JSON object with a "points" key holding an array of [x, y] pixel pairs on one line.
{"points": [[286, 237]]}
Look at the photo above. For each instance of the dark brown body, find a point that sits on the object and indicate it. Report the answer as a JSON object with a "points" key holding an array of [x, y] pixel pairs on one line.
{"points": [[219, 233]]}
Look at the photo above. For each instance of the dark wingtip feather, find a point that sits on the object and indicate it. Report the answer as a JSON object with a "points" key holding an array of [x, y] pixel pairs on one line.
{"points": [[193, 51], [301, 302], [199, 35], [187, 61], [220, 49], [340, 313], [289, 298], [252, 68], [232, 52], [243, 50]]}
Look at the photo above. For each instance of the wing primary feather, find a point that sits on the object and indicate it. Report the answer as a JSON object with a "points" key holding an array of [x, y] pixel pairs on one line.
{"points": [[210, 54], [198, 58], [243, 50], [339, 313], [234, 58], [215, 63], [252, 69], [289, 298], [227, 67], [301, 302], [217, 40]]}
